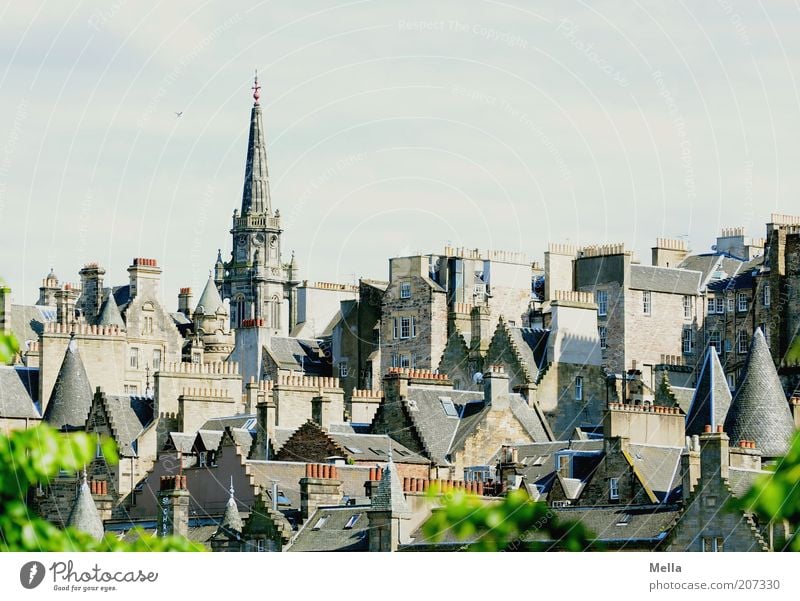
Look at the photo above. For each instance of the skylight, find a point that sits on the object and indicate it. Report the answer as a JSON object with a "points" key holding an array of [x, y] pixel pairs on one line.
{"points": [[320, 522], [355, 450], [447, 405], [352, 521]]}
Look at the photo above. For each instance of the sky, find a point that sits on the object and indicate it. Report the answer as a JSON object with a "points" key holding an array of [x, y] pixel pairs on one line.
{"points": [[392, 128]]}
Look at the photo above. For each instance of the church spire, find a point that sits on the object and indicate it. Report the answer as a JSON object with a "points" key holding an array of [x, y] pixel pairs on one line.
{"points": [[255, 196]]}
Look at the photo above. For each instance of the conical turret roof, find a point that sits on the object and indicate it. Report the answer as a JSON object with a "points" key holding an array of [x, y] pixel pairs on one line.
{"points": [[109, 314], [712, 397], [210, 301], [759, 410], [71, 398], [84, 515], [389, 496]]}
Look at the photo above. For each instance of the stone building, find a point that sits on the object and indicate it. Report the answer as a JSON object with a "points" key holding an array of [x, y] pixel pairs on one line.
{"points": [[431, 297]]}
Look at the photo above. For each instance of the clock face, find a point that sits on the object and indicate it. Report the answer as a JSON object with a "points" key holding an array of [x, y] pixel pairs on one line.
{"points": [[259, 239], [273, 241], [241, 240]]}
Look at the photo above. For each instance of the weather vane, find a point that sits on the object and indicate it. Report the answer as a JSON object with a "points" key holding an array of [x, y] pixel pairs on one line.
{"points": [[256, 88]]}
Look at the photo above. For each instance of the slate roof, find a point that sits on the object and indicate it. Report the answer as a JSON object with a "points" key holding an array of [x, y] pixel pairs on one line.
{"points": [[389, 496], [759, 410], [84, 515], [210, 301], [740, 480], [713, 266], [208, 440], [110, 315], [15, 393], [27, 321], [182, 442], [229, 421], [744, 280], [332, 535], [231, 519], [297, 354], [255, 193], [637, 527], [375, 447], [665, 279], [712, 397], [532, 346], [71, 398], [129, 416], [684, 396], [659, 467], [244, 438]]}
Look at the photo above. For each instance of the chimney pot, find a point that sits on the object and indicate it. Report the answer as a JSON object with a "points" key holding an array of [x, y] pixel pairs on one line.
{"points": [[707, 428]]}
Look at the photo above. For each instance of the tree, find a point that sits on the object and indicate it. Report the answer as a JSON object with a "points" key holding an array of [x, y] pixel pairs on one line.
{"points": [[515, 523], [33, 457], [775, 497]]}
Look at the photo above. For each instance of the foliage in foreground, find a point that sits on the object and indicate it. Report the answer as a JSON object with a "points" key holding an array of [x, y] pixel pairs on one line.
{"points": [[34, 457], [776, 497], [515, 523]]}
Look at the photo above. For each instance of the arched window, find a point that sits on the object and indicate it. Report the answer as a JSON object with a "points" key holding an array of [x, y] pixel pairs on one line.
{"points": [[239, 311], [275, 317]]}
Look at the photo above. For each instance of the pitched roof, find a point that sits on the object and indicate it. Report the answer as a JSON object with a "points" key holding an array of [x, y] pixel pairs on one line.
{"points": [[389, 496], [109, 314], [659, 467], [327, 530], [210, 301], [759, 410], [27, 321], [531, 344], [298, 354], [128, 417], [15, 393], [71, 398], [712, 397], [84, 515], [665, 279], [713, 266]]}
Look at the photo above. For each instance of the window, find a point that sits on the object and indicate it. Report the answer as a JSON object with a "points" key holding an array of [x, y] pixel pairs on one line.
{"points": [[613, 489], [352, 521], [413, 327], [405, 290], [712, 544], [730, 304], [405, 327], [156, 359], [720, 301], [195, 357], [354, 450], [767, 295], [320, 522], [239, 312], [715, 340], [646, 306], [395, 362], [741, 302], [134, 358], [413, 362], [448, 406], [98, 448], [602, 332], [687, 307], [377, 451], [260, 545], [732, 382], [601, 297], [275, 313], [343, 369], [131, 389], [395, 330], [579, 388], [712, 306], [764, 330], [741, 342], [563, 466], [405, 361], [687, 341], [201, 459], [148, 325]]}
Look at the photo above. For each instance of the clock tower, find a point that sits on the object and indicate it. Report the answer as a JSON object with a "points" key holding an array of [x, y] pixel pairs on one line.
{"points": [[255, 279]]}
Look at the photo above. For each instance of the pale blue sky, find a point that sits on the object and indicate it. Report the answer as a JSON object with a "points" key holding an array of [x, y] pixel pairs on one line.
{"points": [[392, 127]]}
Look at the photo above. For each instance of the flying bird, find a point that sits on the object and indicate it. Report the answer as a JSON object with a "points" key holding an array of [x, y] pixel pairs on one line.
{"points": [[178, 114]]}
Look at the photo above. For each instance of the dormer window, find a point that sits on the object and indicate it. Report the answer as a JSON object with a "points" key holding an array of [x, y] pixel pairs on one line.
{"points": [[405, 290]]}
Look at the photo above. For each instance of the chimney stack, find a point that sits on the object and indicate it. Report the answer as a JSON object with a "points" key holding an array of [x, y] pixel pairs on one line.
{"points": [[91, 291], [320, 487], [173, 498], [145, 275], [714, 454], [185, 302], [495, 387]]}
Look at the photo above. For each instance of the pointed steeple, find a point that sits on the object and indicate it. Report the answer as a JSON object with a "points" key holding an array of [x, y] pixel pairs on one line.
{"points": [[71, 398], [759, 410], [232, 520], [210, 301], [389, 496], [109, 314], [255, 196], [712, 397], [84, 515]]}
